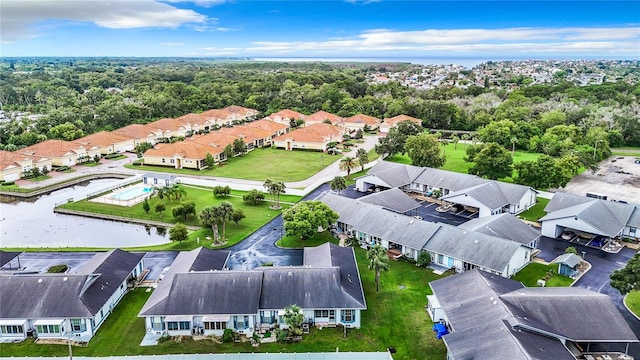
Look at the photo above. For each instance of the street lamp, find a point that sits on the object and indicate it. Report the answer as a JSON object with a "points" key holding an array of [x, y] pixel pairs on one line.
{"points": [[595, 147]]}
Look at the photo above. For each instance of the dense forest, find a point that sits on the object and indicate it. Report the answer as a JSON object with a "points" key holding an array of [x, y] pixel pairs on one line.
{"points": [[77, 97]]}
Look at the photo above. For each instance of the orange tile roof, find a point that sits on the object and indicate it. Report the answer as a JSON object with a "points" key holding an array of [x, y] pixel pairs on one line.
{"points": [[321, 116], [166, 124], [317, 133], [187, 149], [102, 138], [191, 118], [51, 148], [243, 111], [216, 139], [8, 158], [288, 114], [396, 119], [135, 131], [215, 114], [268, 125], [248, 134], [363, 119]]}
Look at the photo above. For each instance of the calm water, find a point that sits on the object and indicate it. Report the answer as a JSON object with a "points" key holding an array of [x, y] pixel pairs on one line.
{"points": [[34, 224]]}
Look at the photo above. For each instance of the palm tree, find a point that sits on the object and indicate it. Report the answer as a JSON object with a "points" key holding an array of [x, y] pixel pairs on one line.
{"points": [[210, 216], [363, 158], [225, 210], [268, 185], [178, 191], [338, 184], [160, 191], [278, 188], [378, 261], [346, 164], [168, 192]]}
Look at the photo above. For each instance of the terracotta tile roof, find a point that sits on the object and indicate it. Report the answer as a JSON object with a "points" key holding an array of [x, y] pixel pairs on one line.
{"points": [[215, 139], [268, 125], [239, 110], [135, 131], [247, 133], [166, 124], [321, 116], [187, 149], [191, 118], [287, 114], [102, 138], [51, 148], [362, 119], [396, 119], [318, 133], [9, 158]]}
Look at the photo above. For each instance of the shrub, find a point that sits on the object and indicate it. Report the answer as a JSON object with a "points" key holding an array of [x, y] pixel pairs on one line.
{"points": [[424, 259], [571, 250], [281, 335], [164, 338], [8, 183], [227, 336]]}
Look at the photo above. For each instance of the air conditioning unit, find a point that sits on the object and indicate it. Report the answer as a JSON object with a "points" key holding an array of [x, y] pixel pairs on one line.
{"points": [[158, 332]]}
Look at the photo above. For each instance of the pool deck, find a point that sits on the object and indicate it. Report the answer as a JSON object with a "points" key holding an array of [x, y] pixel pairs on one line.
{"points": [[109, 197]]}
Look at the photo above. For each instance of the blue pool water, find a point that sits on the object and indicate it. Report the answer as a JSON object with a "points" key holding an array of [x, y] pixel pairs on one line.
{"points": [[132, 193]]}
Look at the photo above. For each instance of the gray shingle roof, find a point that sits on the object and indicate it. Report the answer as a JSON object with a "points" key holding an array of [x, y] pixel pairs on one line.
{"points": [[328, 279], [488, 312], [392, 199], [474, 247], [505, 226], [6, 256], [200, 259], [489, 194], [607, 216], [568, 259], [66, 295]]}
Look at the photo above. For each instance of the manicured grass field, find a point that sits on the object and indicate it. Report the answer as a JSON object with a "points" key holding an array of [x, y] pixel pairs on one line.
{"points": [[261, 164], [455, 160], [530, 275], [395, 317], [632, 300], [256, 216], [536, 211]]}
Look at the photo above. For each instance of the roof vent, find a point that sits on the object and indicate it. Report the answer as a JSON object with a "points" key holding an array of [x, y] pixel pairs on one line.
{"points": [[290, 273], [39, 280], [495, 302], [475, 241], [349, 277], [65, 278]]}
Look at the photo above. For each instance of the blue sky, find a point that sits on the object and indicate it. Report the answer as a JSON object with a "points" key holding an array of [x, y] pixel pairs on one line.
{"points": [[354, 28]]}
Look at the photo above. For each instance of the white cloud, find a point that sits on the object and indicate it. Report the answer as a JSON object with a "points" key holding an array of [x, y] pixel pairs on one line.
{"points": [[362, 2], [20, 18], [203, 3], [171, 44], [513, 40]]}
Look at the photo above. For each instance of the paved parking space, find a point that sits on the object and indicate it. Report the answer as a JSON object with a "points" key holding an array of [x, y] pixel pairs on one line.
{"points": [[428, 213], [40, 262], [157, 262]]}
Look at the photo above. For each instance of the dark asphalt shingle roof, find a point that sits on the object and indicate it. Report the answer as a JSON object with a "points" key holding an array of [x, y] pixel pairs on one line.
{"points": [[503, 225], [66, 295], [488, 312], [392, 199], [6, 256]]}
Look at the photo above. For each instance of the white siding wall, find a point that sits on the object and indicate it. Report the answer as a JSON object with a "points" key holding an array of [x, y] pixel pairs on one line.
{"points": [[364, 183], [519, 260]]}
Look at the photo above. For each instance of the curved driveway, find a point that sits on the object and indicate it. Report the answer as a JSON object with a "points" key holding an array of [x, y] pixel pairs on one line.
{"points": [[260, 247]]}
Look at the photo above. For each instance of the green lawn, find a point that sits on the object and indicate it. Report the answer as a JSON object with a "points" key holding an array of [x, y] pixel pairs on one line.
{"points": [[530, 275], [625, 151], [395, 317], [536, 211], [91, 164], [632, 300], [455, 162], [261, 164], [256, 216]]}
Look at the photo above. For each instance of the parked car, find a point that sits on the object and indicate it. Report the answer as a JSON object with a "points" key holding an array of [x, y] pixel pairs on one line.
{"points": [[568, 235]]}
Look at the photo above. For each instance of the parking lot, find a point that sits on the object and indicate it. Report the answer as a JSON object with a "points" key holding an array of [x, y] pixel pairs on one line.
{"points": [[618, 178]]}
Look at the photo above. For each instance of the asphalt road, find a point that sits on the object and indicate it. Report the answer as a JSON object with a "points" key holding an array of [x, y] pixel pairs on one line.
{"points": [[260, 247]]}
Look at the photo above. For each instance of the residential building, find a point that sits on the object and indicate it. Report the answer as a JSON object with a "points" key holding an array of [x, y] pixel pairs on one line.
{"points": [[195, 122], [231, 115], [253, 136], [591, 217], [450, 247], [490, 317], [285, 116], [192, 299], [358, 122], [475, 194], [313, 137], [389, 123], [168, 128], [66, 306], [505, 226], [180, 155], [108, 142], [321, 117], [60, 152], [274, 128], [139, 133], [14, 164]]}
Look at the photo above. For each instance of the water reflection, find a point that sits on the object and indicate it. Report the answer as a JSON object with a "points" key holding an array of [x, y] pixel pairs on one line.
{"points": [[33, 223]]}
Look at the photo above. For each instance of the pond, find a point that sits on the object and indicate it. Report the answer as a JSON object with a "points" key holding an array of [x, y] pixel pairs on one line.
{"points": [[32, 223]]}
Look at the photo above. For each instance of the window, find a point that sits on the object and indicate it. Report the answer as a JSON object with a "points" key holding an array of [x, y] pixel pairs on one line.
{"points": [[178, 325], [215, 325], [11, 329], [632, 231], [324, 313], [348, 316], [78, 325], [241, 322], [48, 329], [163, 160], [173, 161]]}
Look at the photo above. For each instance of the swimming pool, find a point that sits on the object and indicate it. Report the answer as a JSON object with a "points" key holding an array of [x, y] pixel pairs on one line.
{"points": [[132, 193]]}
